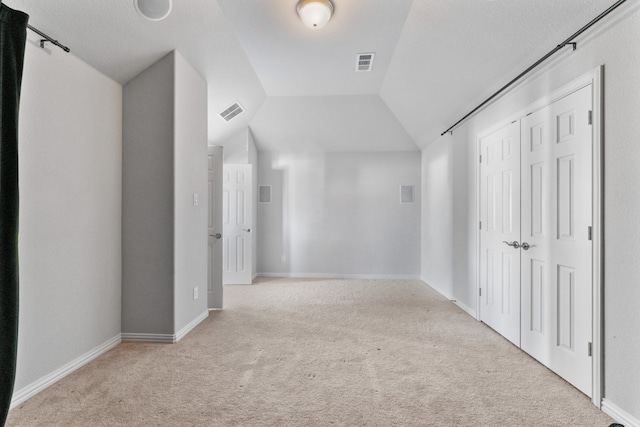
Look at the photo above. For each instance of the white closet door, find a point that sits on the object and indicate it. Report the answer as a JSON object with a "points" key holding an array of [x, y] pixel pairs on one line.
{"points": [[556, 219], [237, 222], [500, 217]]}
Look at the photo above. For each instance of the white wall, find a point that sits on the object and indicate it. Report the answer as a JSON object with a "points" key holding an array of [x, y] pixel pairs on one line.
{"points": [[448, 221], [437, 218], [70, 200], [339, 214], [613, 44]]}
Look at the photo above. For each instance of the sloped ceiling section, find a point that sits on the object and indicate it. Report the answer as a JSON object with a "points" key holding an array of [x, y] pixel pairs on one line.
{"points": [[435, 60], [452, 55], [114, 39]]}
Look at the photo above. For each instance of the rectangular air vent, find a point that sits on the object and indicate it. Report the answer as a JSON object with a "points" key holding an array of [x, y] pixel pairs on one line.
{"points": [[406, 194], [264, 194], [232, 111], [364, 61]]}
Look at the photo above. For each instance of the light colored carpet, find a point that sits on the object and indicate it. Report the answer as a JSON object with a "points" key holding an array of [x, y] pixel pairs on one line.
{"points": [[290, 352]]}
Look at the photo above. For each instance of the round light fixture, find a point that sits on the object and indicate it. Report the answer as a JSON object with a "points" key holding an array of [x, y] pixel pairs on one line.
{"points": [[315, 13], [153, 10]]}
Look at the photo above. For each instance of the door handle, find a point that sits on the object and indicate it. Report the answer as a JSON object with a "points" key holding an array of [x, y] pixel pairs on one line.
{"points": [[525, 246], [248, 230], [514, 244], [217, 235]]}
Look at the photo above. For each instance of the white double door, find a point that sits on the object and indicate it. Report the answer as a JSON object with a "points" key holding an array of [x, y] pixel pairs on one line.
{"points": [[536, 271]]}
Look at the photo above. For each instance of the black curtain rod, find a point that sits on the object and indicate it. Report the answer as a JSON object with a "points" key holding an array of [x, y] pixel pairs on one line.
{"points": [[568, 41], [48, 39]]}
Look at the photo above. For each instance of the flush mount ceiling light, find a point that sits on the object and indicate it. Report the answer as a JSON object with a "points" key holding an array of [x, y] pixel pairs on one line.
{"points": [[315, 13], [153, 10]]}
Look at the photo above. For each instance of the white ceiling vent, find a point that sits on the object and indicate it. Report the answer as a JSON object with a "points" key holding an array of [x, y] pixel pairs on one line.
{"points": [[365, 61], [232, 111]]}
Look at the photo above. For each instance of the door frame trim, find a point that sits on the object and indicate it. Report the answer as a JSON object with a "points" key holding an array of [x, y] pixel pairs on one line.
{"points": [[595, 78]]}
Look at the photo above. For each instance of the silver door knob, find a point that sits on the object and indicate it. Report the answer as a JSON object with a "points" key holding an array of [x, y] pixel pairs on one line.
{"points": [[525, 246], [248, 230], [217, 235], [514, 244]]}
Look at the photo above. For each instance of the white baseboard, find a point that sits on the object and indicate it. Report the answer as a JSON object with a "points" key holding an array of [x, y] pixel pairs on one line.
{"points": [[155, 338], [470, 311], [620, 415], [36, 387], [195, 322], [341, 276], [166, 338]]}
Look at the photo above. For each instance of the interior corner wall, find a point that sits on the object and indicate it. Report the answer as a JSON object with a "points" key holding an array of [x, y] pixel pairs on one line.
{"points": [[164, 231], [614, 45], [148, 200], [339, 215], [190, 165], [70, 201]]}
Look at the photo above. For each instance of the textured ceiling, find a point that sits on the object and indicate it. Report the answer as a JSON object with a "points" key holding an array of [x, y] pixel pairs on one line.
{"points": [[292, 60], [435, 60]]}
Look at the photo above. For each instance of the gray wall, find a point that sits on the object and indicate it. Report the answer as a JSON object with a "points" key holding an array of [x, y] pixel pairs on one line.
{"points": [[190, 148], [450, 161], [70, 194], [339, 214], [164, 249], [148, 201]]}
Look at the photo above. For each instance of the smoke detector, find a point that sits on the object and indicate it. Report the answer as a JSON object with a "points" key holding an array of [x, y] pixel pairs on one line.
{"points": [[153, 10]]}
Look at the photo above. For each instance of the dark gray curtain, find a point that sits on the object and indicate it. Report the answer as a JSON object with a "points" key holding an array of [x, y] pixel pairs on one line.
{"points": [[13, 34]]}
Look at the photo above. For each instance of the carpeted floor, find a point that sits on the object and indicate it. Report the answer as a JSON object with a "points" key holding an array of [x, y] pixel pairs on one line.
{"points": [[288, 352]]}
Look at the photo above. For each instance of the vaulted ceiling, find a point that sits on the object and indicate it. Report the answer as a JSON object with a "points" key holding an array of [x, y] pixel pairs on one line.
{"points": [[434, 60]]}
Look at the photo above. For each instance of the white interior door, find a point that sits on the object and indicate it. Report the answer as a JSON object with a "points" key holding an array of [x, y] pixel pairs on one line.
{"points": [[556, 222], [500, 219], [237, 221], [214, 287]]}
